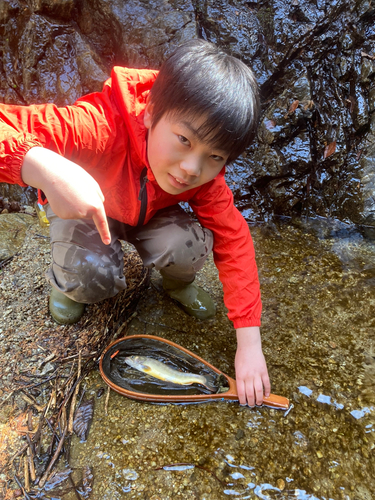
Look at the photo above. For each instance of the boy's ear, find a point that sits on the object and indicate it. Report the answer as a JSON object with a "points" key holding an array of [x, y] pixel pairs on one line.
{"points": [[147, 119]]}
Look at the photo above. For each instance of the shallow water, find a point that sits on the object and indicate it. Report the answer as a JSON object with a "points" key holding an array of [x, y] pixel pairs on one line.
{"points": [[318, 293]]}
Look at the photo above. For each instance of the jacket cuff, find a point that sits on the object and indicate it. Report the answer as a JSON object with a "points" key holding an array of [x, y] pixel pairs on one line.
{"points": [[246, 322], [18, 157]]}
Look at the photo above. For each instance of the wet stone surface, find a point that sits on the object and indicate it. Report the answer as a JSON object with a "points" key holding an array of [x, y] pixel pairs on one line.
{"points": [[314, 61]]}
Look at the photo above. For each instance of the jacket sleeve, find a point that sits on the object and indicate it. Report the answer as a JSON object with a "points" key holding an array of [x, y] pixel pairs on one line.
{"points": [[233, 251], [81, 133]]}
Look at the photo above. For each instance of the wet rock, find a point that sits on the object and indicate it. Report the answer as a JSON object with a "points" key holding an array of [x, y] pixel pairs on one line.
{"points": [[358, 202], [234, 26], [61, 9], [367, 68], [240, 434], [136, 33], [13, 192], [48, 61], [13, 229], [314, 61]]}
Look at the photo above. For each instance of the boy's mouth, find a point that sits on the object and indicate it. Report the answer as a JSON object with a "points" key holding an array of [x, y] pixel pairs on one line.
{"points": [[177, 182]]}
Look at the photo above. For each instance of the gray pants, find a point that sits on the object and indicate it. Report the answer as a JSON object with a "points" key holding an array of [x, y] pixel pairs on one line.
{"points": [[87, 271]]}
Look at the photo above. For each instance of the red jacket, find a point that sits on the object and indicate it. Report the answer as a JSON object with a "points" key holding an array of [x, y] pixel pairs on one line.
{"points": [[104, 133]]}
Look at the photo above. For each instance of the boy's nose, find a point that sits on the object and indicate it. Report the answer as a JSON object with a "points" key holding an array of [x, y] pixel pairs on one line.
{"points": [[192, 166]]}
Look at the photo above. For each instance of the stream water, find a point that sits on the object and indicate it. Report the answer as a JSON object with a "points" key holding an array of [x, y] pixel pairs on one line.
{"points": [[318, 291]]}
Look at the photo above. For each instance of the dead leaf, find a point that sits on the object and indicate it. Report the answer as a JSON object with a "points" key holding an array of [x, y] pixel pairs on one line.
{"points": [[308, 105], [329, 150], [82, 418], [270, 124], [56, 478], [293, 107], [351, 102], [363, 54], [87, 480]]}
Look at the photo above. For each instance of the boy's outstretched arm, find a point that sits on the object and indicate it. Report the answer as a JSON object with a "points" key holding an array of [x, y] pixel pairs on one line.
{"points": [[71, 191], [251, 370]]}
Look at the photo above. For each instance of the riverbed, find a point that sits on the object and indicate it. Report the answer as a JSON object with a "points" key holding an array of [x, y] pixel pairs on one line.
{"points": [[317, 280]]}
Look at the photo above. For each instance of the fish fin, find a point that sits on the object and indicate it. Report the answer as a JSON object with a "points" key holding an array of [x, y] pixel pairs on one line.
{"points": [[210, 387], [209, 384], [145, 368]]}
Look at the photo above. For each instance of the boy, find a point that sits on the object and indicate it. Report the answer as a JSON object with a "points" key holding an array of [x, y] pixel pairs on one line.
{"points": [[116, 164]]}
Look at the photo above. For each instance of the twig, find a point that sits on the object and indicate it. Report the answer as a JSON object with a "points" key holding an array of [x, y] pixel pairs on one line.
{"points": [[31, 401], [53, 460], [31, 386], [54, 374], [37, 437], [14, 456], [85, 370], [68, 442], [30, 443], [106, 400], [30, 457], [22, 488], [7, 397], [26, 473], [30, 420], [74, 398], [4, 262], [80, 399], [51, 429], [74, 356], [124, 325]]}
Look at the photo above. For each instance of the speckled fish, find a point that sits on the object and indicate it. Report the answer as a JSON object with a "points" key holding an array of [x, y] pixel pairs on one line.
{"points": [[159, 370]]}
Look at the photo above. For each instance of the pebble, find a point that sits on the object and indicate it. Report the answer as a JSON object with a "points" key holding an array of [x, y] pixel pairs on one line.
{"points": [[280, 483]]}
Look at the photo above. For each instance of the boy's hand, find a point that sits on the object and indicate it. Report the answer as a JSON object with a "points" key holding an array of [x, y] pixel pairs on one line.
{"points": [[251, 370], [70, 190]]}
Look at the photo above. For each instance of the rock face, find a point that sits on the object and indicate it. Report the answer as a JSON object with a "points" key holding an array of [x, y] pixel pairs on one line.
{"points": [[314, 60]]}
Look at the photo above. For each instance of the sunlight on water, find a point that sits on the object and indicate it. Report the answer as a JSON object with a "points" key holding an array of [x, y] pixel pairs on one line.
{"points": [[318, 331]]}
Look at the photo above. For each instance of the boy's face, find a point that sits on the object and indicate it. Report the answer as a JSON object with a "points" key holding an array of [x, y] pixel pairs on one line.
{"points": [[178, 159]]}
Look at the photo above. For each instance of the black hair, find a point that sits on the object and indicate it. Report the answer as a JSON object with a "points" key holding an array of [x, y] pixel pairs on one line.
{"points": [[199, 79]]}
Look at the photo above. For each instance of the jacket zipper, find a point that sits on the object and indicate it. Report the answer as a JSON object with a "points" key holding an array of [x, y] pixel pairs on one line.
{"points": [[143, 197]]}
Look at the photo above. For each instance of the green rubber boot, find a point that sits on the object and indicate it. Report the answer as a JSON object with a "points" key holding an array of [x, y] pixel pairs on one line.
{"points": [[191, 298], [63, 310]]}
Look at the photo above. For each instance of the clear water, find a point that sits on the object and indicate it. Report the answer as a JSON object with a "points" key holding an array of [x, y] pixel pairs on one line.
{"points": [[317, 282]]}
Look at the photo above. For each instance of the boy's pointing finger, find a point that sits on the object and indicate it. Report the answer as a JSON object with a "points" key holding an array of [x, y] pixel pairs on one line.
{"points": [[101, 223]]}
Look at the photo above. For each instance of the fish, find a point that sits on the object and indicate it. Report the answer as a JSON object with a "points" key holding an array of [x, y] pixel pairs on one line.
{"points": [[161, 371]]}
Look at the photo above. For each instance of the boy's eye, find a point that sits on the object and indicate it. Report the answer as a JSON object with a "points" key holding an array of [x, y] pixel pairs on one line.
{"points": [[217, 158], [183, 139]]}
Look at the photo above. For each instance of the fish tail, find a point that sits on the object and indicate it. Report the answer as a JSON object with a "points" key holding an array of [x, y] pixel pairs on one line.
{"points": [[209, 384]]}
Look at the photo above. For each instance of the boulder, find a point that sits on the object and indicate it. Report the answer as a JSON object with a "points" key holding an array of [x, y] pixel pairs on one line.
{"points": [[314, 61]]}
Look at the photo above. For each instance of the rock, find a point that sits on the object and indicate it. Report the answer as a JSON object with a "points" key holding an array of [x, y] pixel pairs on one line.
{"points": [[314, 62], [13, 229], [25, 196], [280, 483], [136, 33]]}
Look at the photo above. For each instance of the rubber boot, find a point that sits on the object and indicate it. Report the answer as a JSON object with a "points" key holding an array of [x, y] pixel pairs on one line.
{"points": [[63, 310], [190, 297]]}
